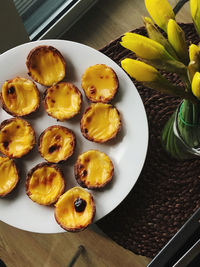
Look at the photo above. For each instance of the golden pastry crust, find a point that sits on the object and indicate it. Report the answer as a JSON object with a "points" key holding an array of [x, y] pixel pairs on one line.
{"points": [[100, 122], [56, 144], [20, 97], [17, 137], [62, 101], [93, 169], [75, 209], [9, 176], [46, 65], [100, 83], [45, 183]]}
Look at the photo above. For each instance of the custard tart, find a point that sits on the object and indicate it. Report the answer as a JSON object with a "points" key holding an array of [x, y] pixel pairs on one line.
{"points": [[100, 122], [93, 169], [17, 137], [100, 83], [9, 176], [56, 144], [45, 184], [75, 209], [62, 101], [46, 65], [20, 96]]}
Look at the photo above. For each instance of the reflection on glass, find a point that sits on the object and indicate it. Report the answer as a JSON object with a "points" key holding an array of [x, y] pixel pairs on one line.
{"points": [[41, 13]]}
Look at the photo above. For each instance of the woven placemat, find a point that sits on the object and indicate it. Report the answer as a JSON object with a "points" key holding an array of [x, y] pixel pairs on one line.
{"points": [[168, 191]]}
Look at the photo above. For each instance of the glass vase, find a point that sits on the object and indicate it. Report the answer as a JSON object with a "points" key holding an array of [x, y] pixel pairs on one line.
{"points": [[181, 134]]}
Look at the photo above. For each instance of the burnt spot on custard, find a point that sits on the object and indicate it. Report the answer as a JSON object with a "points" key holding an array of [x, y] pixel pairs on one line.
{"points": [[87, 160], [11, 90], [58, 137], [51, 177], [80, 205], [53, 148], [88, 119], [80, 166], [84, 173], [92, 90], [86, 131], [53, 101], [5, 144]]}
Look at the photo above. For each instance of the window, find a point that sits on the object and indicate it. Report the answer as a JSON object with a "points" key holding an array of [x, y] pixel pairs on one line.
{"points": [[38, 19]]}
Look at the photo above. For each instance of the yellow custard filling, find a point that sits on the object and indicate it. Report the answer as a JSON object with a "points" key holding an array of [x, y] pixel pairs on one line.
{"points": [[100, 83], [8, 175], [65, 211], [94, 169], [63, 101], [57, 144], [46, 66], [17, 137], [45, 185], [20, 96], [100, 122]]}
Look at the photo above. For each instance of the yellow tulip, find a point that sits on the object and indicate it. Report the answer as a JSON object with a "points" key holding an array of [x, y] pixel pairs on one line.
{"points": [[176, 37], [160, 11], [195, 13], [196, 85], [156, 35], [151, 77], [139, 70], [152, 52], [194, 52], [194, 65], [144, 47]]}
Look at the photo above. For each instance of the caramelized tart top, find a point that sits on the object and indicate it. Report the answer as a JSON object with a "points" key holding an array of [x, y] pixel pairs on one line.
{"points": [[8, 175], [63, 101], [100, 122], [100, 83], [56, 143], [20, 96], [46, 65], [17, 137], [93, 169], [45, 184], [75, 209]]}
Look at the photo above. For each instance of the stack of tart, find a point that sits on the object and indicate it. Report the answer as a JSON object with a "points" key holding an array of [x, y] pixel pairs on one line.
{"points": [[100, 122]]}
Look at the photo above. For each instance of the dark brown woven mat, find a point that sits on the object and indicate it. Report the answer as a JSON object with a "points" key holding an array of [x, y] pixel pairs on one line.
{"points": [[168, 191]]}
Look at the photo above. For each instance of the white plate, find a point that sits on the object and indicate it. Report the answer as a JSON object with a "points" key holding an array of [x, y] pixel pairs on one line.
{"points": [[127, 151]]}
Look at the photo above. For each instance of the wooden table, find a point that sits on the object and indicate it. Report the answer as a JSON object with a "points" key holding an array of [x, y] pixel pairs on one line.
{"points": [[106, 21]]}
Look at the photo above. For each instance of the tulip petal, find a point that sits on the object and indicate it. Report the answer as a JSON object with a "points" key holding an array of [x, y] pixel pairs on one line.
{"points": [[152, 52], [195, 13], [196, 85], [144, 47], [160, 12], [193, 52], [150, 77], [176, 37], [156, 35], [194, 65], [139, 70]]}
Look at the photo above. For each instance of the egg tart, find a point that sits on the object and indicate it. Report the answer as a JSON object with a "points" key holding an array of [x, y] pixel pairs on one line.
{"points": [[17, 137], [93, 169], [45, 183], [46, 65], [56, 144], [100, 122], [75, 209], [9, 176], [100, 83], [20, 96], [62, 101]]}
